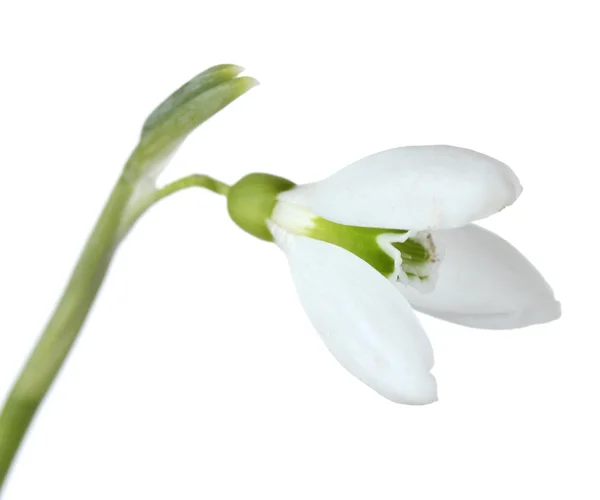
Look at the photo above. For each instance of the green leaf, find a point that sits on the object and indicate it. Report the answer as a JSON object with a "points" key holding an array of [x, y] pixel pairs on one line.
{"points": [[200, 83], [194, 103]]}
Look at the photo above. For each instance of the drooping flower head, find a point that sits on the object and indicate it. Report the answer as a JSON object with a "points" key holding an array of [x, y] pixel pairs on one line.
{"points": [[388, 233]]}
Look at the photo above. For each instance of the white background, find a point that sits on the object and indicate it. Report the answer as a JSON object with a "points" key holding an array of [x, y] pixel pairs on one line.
{"points": [[197, 374]]}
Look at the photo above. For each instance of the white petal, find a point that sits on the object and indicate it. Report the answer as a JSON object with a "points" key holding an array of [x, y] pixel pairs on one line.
{"points": [[366, 324], [484, 282], [415, 187]]}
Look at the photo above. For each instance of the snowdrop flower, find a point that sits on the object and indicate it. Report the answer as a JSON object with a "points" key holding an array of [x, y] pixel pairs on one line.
{"points": [[390, 233]]}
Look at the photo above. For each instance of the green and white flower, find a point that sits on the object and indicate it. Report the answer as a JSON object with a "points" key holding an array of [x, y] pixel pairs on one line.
{"points": [[390, 233], [384, 235]]}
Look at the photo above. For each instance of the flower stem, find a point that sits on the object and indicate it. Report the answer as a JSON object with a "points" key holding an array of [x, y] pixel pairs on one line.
{"points": [[61, 331], [163, 131], [194, 180]]}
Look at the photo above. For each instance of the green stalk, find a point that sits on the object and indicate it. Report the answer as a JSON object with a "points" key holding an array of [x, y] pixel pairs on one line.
{"points": [[164, 130], [62, 329], [194, 180], [61, 332]]}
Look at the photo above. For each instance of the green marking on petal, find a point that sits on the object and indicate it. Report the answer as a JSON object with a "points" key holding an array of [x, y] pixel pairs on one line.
{"points": [[392, 252], [361, 241], [413, 250]]}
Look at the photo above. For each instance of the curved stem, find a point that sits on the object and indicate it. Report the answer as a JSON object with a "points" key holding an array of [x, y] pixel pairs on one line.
{"points": [[194, 180], [61, 331], [164, 130]]}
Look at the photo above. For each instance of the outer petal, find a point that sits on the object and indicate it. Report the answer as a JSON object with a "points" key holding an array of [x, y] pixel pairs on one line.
{"points": [[366, 324], [484, 282], [415, 187]]}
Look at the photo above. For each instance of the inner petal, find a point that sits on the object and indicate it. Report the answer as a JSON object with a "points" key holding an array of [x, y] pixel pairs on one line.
{"points": [[417, 258], [409, 257]]}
